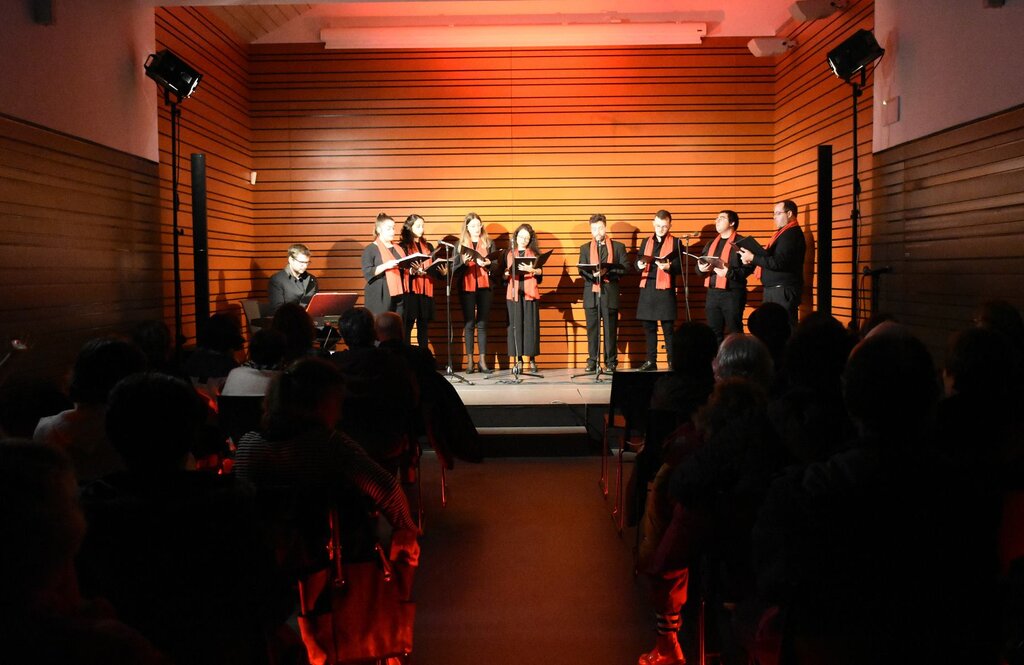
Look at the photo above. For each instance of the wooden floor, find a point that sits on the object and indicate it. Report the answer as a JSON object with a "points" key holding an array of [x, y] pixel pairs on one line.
{"points": [[525, 566]]}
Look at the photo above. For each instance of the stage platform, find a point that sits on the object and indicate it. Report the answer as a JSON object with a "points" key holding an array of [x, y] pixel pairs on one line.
{"points": [[556, 387], [542, 416]]}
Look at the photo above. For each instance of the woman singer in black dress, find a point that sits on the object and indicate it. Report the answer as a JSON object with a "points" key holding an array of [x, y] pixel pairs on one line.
{"points": [[523, 298]]}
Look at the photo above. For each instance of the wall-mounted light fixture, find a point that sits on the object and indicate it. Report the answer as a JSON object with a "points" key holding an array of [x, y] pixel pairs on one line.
{"points": [[765, 47], [812, 10]]}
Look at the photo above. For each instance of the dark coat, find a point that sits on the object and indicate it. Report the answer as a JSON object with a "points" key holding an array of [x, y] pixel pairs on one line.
{"points": [[782, 264], [611, 287], [660, 304], [376, 298]]}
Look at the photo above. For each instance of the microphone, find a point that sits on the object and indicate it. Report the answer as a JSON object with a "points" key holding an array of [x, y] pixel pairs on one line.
{"points": [[874, 272], [446, 244], [689, 235]]}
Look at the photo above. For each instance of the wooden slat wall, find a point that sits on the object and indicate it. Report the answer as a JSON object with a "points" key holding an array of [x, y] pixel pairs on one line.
{"points": [[948, 216], [80, 249], [544, 137], [215, 122], [814, 108]]}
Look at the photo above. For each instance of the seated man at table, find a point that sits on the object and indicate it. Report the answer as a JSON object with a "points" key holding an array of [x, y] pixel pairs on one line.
{"points": [[293, 283]]}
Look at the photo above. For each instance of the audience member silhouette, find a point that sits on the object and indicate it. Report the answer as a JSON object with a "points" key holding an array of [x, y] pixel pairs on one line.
{"points": [[381, 392], [294, 322], [810, 415], [253, 377], [303, 450], [81, 431], [23, 405], [769, 322], [218, 339], [179, 553], [153, 338], [43, 616], [877, 554], [674, 536]]}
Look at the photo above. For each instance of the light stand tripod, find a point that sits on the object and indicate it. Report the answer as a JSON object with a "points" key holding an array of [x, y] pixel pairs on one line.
{"points": [[516, 373], [856, 90], [176, 232], [448, 371]]}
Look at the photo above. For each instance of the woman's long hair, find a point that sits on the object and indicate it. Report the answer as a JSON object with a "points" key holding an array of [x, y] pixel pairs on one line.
{"points": [[464, 239]]}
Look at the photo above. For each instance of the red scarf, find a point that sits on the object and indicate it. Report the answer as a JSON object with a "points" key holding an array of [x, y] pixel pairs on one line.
{"points": [[595, 260], [420, 284], [393, 275], [476, 278], [530, 289], [711, 281], [663, 281], [791, 225]]}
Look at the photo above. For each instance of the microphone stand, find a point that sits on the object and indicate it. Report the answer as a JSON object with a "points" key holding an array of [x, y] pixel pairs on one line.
{"points": [[601, 319], [449, 373], [686, 275]]}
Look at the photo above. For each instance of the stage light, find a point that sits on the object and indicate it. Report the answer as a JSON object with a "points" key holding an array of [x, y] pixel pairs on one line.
{"points": [[173, 74], [854, 54], [764, 47], [812, 10]]}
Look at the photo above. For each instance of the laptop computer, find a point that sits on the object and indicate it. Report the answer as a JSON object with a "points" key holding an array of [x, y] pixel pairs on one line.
{"points": [[330, 303]]}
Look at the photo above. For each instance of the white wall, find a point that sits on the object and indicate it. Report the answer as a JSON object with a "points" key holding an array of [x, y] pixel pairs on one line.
{"points": [[949, 62], [82, 75]]}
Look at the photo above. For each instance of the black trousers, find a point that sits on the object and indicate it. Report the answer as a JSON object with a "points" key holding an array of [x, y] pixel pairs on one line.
{"points": [[651, 335], [788, 297], [611, 327], [419, 310], [476, 307], [724, 311]]}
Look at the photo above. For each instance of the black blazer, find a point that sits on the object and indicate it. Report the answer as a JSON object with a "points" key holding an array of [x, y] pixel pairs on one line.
{"points": [[611, 288], [376, 298]]}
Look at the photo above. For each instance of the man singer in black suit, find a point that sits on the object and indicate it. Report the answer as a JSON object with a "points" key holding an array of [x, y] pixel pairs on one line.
{"points": [[604, 283], [781, 267]]}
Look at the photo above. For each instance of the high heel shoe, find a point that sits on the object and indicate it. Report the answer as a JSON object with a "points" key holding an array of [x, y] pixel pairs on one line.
{"points": [[655, 657], [517, 367], [484, 368], [471, 367], [533, 365]]}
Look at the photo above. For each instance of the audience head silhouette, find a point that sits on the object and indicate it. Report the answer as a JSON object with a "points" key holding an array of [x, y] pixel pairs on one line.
{"points": [[153, 421], [306, 396]]}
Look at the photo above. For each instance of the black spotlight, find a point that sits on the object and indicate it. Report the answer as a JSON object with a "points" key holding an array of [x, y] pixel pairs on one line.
{"points": [[173, 74], [854, 54]]}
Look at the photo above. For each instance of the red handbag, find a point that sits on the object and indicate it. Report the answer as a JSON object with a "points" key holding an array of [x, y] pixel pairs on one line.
{"points": [[365, 615]]}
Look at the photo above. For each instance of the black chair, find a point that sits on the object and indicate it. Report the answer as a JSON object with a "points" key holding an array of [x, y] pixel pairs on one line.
{"points": [[626, 420], [239, 414]]}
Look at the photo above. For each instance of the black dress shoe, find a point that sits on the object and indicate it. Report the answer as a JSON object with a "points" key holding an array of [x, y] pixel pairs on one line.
{"points": [[591, 367], [533, 366], [611, 368], [485, 369], [648, 366]]}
